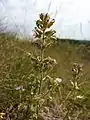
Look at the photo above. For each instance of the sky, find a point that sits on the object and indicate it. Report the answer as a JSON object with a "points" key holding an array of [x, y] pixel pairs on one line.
{"points": [[72, 17]]}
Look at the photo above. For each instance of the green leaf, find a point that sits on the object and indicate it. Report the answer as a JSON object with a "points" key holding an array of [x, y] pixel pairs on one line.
{"points": [[50, 33], [46, 18], [51, 23], [39, 24], [38, 31], [41, 16]]}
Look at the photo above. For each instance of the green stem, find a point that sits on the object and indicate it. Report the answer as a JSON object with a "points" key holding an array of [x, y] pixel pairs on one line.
{"points": [[68, 95], [41, 72], [42, 56]]}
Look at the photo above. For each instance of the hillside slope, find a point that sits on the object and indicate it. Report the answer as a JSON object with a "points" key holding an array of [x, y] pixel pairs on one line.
{"points": [[15, 64]]}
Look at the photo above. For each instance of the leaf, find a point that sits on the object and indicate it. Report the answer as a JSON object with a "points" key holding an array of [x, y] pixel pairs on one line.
{"points": [[41, 16], [50, 33], [38, 31], [46, 18], [51, 23], [37, 35], [49, 44], [39, 24]]}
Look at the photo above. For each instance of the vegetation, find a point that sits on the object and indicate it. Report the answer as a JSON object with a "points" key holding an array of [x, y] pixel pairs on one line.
{"points": [[44, 79]]}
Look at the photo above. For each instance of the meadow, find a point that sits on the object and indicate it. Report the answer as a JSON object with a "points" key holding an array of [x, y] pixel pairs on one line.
{"points": [[44, 83]]}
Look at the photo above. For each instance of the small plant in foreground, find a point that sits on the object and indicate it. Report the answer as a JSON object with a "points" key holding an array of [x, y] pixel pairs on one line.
{"points": [[44, 38]]}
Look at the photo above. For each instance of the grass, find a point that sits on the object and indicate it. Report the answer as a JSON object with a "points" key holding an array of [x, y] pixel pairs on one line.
{"points": [[64, 52], [16, 65]]}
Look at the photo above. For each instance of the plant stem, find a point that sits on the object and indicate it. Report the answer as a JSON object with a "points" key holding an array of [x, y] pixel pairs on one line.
{"points": [[68, 95], [41, 72], [42, 56]]}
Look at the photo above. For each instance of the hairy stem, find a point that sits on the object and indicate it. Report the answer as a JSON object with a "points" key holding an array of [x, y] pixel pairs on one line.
{"points": [[42, 56]]}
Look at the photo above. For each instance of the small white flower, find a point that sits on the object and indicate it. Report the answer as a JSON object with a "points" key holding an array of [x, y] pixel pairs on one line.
{"points": [[76, 86], [80, 97], [20, 88], [25, 107], [1, 115], [58, 80], [54, 61]]}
